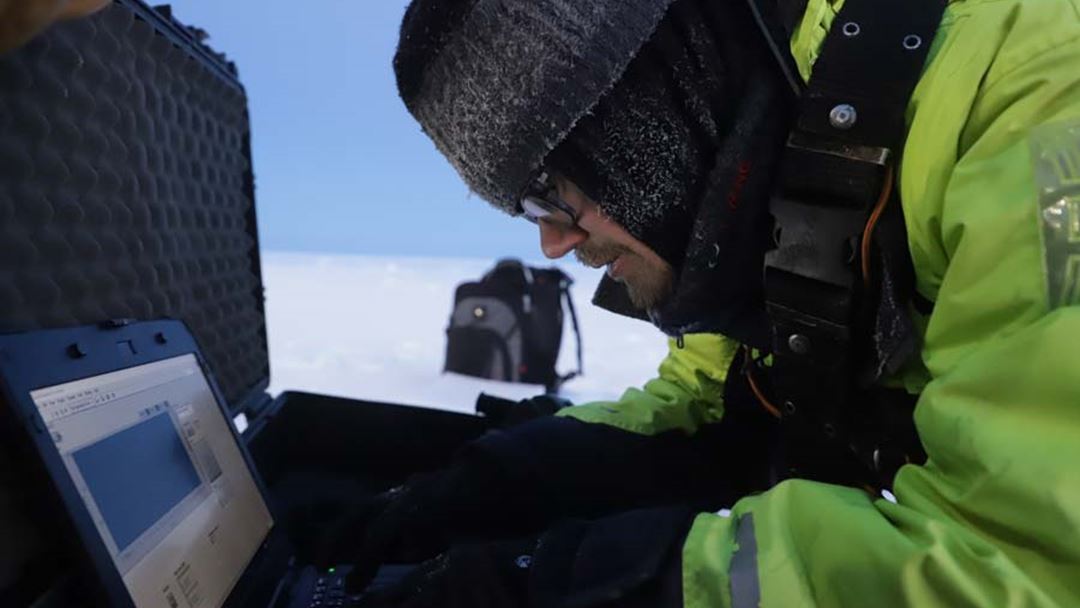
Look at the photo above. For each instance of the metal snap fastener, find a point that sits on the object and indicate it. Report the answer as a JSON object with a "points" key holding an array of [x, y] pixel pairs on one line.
{"points": [[715, 259], [1056, 216], [479, 312], [799, 344], [843, 116], [912, 42], [851, 29]]}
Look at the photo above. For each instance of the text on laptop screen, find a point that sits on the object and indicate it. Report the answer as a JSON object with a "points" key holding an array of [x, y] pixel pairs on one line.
{"points": [[160, 472]]}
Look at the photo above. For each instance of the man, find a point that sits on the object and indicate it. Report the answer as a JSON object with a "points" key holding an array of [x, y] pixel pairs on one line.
{"points": [[660, 168], [645, 137]]}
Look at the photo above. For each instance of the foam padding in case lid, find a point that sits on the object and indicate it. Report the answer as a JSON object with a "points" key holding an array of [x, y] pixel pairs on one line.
{"points": [[126, 188]]}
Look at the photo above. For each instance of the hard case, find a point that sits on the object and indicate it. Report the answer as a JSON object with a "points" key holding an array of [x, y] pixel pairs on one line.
{"points": [[127, 192]]}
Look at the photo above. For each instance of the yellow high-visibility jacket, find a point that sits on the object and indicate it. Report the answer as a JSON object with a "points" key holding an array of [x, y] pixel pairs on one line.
{"points": [[990, 188]]}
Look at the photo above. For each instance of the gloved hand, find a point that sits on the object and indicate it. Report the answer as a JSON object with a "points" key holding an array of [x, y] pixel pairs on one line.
{"points": [[20, 20], [630, 560], [505, 413], [482, 575], [514, 483], [422, 518]]}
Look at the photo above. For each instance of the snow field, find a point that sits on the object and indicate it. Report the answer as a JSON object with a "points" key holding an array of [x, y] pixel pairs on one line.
{"points": [[373, 328]]}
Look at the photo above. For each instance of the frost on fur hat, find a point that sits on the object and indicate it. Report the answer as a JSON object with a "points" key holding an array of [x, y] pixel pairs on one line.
{"points": [[644, 152], [498, 84]]}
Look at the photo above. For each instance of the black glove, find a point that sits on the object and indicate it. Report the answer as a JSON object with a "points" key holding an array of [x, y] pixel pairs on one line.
{"points": [[422, 518], [630, 560], [505, 413], [482, 575], [514, 483]]}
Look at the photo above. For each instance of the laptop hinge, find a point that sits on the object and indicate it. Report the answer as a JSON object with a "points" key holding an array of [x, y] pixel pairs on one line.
{"points": [[260, 413], [253, 407]]}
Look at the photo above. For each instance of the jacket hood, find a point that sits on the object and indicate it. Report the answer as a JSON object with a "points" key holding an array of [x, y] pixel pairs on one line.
{"points": [[719, 284]]}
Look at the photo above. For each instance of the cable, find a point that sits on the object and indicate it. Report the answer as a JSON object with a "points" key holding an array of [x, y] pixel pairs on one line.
{"points": [[765, 403], [871, 224]]}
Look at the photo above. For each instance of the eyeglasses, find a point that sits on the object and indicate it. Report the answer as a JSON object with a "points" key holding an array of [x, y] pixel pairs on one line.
{"points": [[541, 201]]}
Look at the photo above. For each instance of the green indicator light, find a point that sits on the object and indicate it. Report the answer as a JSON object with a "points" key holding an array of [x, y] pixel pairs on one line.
{"points": [[331, 571]]}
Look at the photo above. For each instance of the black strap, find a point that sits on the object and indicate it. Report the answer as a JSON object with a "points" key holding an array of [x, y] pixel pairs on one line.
{"points": [[777, 20], [564, 287], [871, 61], [790, 13], [837, 169]]}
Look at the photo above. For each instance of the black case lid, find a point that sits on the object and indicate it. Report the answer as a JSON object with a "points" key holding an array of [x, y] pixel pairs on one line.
{"points": [[126, 188]]}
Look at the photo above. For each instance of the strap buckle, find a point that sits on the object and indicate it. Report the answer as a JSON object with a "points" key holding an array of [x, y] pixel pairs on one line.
{"points": [[799, 140]]}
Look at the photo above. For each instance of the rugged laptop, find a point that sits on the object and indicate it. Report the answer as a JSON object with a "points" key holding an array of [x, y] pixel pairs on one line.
{"points": [[136, 441]]}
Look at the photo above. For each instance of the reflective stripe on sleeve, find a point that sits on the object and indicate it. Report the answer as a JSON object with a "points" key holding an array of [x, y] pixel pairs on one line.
{"points": [[745, 589]]}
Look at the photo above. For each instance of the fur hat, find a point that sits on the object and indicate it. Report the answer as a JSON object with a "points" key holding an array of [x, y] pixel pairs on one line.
{"points": [[670, 114], [498, 84]]}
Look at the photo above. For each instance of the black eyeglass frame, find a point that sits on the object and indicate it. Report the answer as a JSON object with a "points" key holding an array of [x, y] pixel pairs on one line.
{"points": [[542, 194]]}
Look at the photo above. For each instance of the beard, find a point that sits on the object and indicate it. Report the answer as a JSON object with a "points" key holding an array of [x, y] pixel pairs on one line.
{"points": [[646, 284], [597, 254]]}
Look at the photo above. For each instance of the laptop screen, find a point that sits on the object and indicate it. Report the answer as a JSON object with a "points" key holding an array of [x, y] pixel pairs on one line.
{"points": [[155, 462]]}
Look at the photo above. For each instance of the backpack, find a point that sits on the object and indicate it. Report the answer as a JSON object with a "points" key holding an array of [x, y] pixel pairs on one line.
{"points": [[508, 326]]}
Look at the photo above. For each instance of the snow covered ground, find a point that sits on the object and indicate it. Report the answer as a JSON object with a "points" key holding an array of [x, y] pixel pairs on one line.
{"points": [[373, 328]]}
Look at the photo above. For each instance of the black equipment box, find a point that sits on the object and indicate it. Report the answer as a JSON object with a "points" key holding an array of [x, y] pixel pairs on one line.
{"points": [[127, 192]]}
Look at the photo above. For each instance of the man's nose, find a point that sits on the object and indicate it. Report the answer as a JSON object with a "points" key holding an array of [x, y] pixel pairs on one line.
{"points": [[557, 241]]}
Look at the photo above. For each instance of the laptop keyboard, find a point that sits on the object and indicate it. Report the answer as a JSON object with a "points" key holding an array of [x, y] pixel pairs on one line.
{"points": [[319, 589], [329, 591], [326, 588]]}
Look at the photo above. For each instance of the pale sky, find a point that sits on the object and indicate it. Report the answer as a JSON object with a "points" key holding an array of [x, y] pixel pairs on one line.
{"points": [[340, 165]]}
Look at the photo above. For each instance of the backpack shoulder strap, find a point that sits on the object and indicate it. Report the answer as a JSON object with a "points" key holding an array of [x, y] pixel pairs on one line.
{"points": [[564, 288], [830, 279], [565, 299]]}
